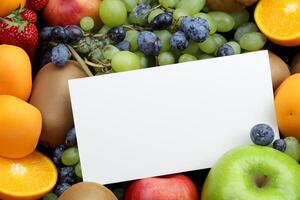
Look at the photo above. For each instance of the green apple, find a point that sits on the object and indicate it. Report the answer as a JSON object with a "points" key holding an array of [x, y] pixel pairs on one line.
{"points": [[292, 148], [253, 173]]}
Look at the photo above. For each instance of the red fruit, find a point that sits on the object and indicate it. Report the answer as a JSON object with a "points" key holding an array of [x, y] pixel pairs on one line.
{"points": [[20, 33], [63, 12], [29, 15], [175, 187], [36, 4]]}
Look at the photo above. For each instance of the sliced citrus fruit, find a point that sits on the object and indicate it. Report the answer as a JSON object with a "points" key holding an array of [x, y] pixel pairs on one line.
{"points": [[279, 21], [27, 178]]}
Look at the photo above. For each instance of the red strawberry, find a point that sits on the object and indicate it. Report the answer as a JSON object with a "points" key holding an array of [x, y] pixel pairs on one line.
{"points": [[29, 15], [20, 33], [36, 4]]}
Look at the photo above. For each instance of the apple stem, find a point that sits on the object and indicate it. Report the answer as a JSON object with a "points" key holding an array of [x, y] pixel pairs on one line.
{"points": [[84, 66]]}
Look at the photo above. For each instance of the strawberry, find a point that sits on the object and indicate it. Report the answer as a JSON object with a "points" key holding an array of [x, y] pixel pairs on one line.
{"points": [[18, 32], [29, 15], [36, 4]]}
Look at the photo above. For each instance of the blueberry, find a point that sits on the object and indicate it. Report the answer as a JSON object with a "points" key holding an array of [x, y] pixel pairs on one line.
{"points": [[46, 34], [60, 55], [161, 21], [197, 29], [58, 153], [225, 50], [149, 43], [116, 34], [71, 138], [66, 175], [74, 33], [179, 41], [124, 46], [262, 134], [58, 33], [280, 145], [61, 188]]}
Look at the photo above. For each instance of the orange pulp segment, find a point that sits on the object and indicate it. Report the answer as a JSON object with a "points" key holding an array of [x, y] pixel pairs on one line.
{"points": [[28, 178], [279, 21]]}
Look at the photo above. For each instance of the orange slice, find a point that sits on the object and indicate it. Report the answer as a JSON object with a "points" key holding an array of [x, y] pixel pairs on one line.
{"points": [[279, 21], [28, 178]]}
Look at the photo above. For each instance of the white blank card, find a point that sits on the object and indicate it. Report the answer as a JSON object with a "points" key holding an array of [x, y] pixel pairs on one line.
{"points": [[169, 119]]}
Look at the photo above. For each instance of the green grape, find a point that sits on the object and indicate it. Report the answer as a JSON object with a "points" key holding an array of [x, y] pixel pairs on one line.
{"points": [[236, 46], [166, 58], [87, 23], [253, 41], [164, 37], [78, 170], [50, 196], [245, 28], [104, 29], [219, 39], [209, 45], [168, 3], [186, 58], [179, 13], [205, 56], [224, 21], [70, 156], [129, 4], [240, 18], [113, 12], [143, 59], [125, 61], [212, 23], [109, 51], [154, 13], [131, 37], [191, 6], [192, 49]]}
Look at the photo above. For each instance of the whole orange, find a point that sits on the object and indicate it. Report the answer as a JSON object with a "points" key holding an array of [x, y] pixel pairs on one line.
{"points": [[15, 72], [7, 6], [287, 104], [20, 127]]}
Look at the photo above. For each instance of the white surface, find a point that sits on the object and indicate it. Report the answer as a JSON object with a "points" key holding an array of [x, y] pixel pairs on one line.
{"points": [[169, 119]]}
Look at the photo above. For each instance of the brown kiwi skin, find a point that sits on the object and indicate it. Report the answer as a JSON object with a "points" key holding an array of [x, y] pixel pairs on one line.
{"points": [[229, 5]]}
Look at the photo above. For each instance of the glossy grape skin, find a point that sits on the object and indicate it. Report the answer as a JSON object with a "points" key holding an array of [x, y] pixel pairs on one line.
{"points": [[164, 37], [225, 50], [154, 13], [70, 156], [212, 23], [179, 13], [253, 41], [130, 4], [139, 15], [87, 23], [191, 6], [192, 49], [236, 46], [113, 12], [116, 34], [109, 51], [209, 45], [169, 3], [245, 28], [219, 39], [225, 22], [131, 36], [45, 34], [186, 58], [143, 59], [205, 56], [240, 18], [162, 21], [125, 61], [104, 29], [78, 170], [166, 58]]}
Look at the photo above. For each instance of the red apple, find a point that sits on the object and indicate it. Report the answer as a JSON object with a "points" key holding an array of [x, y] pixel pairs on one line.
{"points": [[68, 12], [173, 187]]}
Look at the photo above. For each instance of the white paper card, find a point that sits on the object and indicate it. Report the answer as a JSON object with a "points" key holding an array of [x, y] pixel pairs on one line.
{"points": [[169, 119]]}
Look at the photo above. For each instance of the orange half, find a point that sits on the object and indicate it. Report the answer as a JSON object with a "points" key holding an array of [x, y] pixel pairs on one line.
{"points": [[279, 20], [29, 178]]}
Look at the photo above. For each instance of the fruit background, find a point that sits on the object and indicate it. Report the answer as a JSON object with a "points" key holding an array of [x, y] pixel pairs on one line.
{"points": [[45, 43]]}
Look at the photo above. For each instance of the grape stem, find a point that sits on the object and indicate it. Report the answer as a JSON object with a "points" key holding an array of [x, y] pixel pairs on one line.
{"points": [[94, 64], [80, 61], [134, 27]]}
